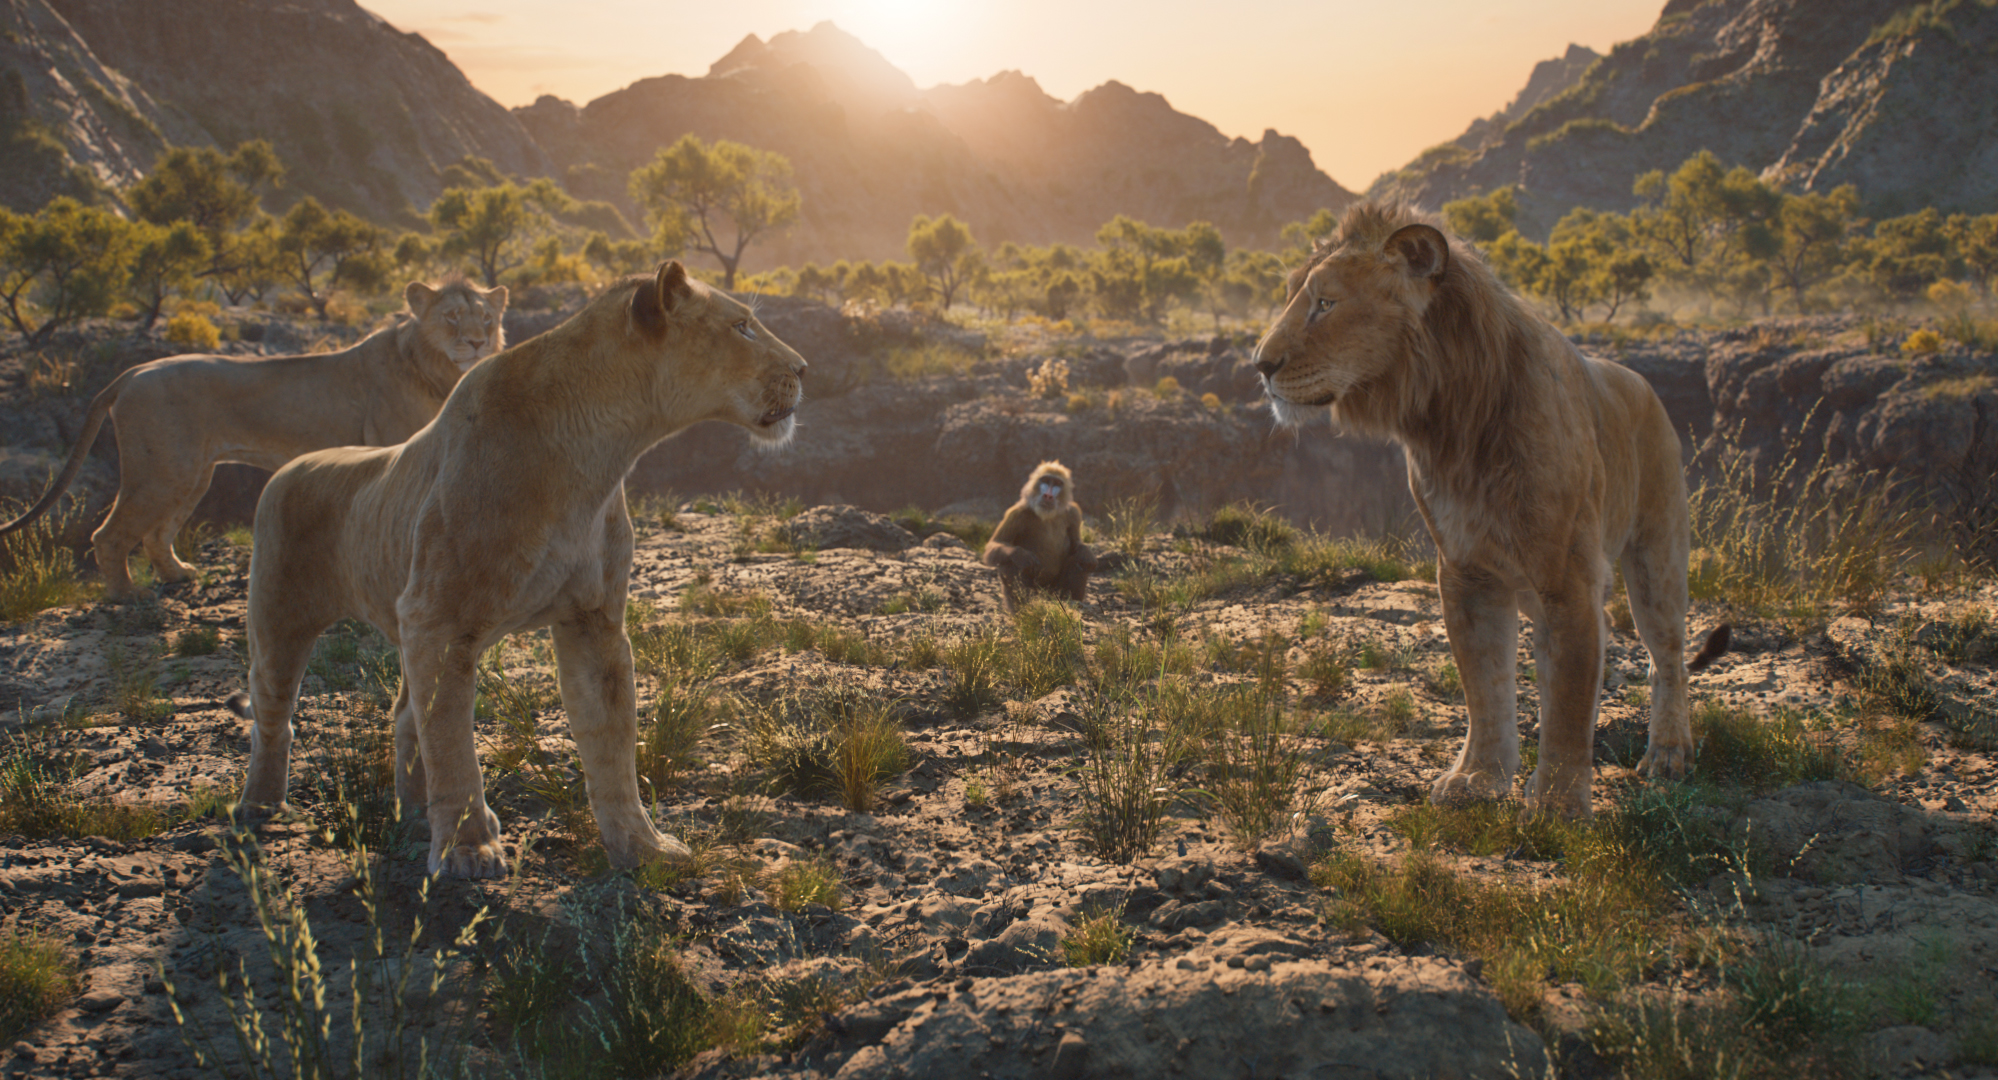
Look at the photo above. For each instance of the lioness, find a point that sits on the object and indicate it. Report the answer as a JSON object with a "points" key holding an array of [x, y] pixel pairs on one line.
{"points": [[180, 416], [1533, 467], [506, 513]]}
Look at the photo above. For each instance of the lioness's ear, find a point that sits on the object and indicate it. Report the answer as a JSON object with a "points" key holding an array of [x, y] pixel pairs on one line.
{"points": [[1421, 250], [651, 302], [419, 297], [496, 296]]}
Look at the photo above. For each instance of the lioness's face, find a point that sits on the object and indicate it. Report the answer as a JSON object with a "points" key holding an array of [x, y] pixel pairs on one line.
{"points": [[1350, 318], [462, 321], [759, 377]]}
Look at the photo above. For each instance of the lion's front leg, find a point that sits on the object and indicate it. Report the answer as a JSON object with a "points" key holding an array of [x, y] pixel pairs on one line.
{"points": [[440, 678], [1482, 619], [593, 663], [1568, 645]]}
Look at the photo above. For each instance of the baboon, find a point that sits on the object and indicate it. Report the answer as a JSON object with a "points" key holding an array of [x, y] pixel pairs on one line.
{"points": [[1039, 544]]}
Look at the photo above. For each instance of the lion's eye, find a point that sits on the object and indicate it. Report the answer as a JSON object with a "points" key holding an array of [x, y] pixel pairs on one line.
{"points": [[1323, 305], [742, 327]]}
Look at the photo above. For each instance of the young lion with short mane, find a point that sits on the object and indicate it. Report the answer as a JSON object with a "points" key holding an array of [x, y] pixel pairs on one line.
{"points": [[1534, 467], [505, 514]]}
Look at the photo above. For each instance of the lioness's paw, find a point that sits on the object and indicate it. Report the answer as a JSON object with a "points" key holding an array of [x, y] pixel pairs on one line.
{"points": [[470, 861], [1460, 786], [250, 814], [1572, 805], [658, 847], [1666, 762]]}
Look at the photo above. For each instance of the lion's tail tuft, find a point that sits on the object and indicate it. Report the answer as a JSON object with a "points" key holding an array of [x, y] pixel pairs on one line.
{"points": [[239, 703], [1711, 649]]}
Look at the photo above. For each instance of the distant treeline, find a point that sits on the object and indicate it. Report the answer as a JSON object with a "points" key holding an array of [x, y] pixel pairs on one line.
{"points": [[197, 232]]}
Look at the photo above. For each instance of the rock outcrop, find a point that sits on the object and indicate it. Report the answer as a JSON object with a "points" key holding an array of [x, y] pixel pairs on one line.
{"points": [[69, 125], [1875, 93]]}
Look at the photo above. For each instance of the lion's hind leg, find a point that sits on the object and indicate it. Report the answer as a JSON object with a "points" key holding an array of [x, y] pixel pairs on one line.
{"points": [[176, 506], [1657, 585], [593, 664]]}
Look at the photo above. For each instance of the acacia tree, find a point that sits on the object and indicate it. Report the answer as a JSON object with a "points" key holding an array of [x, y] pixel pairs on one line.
{"points": [[317, 248], [217, 195], [945, 252], [694, 193], [66, 262], [165, 258]]}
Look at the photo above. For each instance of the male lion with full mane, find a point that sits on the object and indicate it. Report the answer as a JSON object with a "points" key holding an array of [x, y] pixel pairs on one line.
{"points": [[506, 513], [180, 416], [1533, 466]]}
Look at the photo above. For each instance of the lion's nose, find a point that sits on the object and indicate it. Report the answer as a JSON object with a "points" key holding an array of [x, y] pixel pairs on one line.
{"points": [[1268, 366]]}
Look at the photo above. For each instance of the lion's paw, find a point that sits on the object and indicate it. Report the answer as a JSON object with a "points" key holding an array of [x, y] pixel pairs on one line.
{"points": [[251, 814], [485, 860], [1462, 786], [1571, 805], [658, 847], [1666, 762]]}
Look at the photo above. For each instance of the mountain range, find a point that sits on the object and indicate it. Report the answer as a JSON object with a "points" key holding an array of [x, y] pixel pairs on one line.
{"points": [[367, 117], [1890, 96]]}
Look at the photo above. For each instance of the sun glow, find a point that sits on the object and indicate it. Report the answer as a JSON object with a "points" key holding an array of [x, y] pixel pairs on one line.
{"points": [[925, 38]]}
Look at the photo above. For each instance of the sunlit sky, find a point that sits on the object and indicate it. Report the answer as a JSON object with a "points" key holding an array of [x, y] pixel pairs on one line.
{"points": [[1365, 85]]}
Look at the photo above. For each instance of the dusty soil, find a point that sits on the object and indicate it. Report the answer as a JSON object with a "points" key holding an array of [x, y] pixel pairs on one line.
{"points": [[953, 909]]}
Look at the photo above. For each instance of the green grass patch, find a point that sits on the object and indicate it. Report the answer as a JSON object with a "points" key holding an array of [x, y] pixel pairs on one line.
{"points": [[37, 978]]}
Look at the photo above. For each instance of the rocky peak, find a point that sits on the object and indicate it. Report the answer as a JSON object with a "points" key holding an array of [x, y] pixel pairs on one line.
{"points": [[1811, 92], [1549, 78], [362, 115], [70, 124]]}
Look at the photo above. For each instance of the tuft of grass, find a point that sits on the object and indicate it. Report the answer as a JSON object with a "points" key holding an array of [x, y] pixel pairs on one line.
{"points": [[1128, 521], [197, 641], [1254, 768], [36, 800], [37, 977], [670, 744], [1796, 548], [1126, 776], [972, 664], [1252, 528], [36, 571], [1047, 650], [799, 882], [1098, 937], [840, 740], [1762, 753]]}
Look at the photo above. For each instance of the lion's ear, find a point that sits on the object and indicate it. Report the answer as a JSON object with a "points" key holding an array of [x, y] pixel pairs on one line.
{"points": [[419, 297], [651, 302], [1421, 249], [496, 296]]}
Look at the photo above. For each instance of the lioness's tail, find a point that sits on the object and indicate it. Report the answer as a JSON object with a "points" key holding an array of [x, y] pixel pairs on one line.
{"points": [[1710, 651], [239, 703], [100, 407]]}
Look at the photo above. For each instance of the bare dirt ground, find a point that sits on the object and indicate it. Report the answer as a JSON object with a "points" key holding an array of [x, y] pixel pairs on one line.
{"points": [[941, 953]]}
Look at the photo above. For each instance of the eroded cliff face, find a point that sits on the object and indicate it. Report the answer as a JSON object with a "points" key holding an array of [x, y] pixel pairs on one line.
{"points": [[870, 151], [1814, 93], [69, 125], [362, 114]]}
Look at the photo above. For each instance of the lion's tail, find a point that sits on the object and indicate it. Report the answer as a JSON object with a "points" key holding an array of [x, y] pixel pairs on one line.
{"points": [[100, 407], [1711, 649], [239, 703]]}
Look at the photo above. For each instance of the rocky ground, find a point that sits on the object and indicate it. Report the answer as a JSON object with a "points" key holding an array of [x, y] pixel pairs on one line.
{"points": [[941, 949]]}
